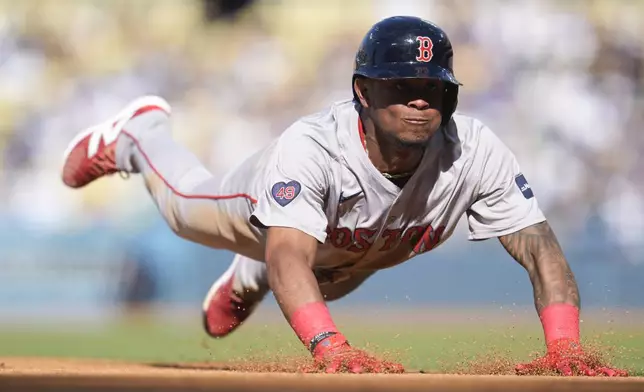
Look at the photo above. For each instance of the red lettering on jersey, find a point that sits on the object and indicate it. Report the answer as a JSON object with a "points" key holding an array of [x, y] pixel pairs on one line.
{"points": [[421, 238], [425, 47], [429, 239], [361, 240], [341, 237], [412, 234], [392, 236]]}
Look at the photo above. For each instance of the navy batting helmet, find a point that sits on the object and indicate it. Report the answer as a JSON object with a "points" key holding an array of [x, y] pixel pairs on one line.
{"points": [[409, 47]]}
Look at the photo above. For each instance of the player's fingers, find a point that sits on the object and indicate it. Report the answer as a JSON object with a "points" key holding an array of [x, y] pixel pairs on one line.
{"points": [[377, 367], [365, 364], [589, 372], [584, 369], [565, 369], [349, 364], [356, 367], [606, 371], [331, 369], [621, 373], [334, 365]]}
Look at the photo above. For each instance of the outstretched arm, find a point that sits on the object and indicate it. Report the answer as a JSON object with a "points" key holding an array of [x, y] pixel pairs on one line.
{"points": [[504, 202], [290, 254], [556, 297]]}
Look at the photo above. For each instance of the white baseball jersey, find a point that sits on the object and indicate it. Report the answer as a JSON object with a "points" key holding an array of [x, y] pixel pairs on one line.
{"points": [[317, 178]]}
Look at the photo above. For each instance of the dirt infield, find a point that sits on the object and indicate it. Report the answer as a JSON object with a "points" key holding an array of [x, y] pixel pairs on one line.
{"points": [[38, 374]]}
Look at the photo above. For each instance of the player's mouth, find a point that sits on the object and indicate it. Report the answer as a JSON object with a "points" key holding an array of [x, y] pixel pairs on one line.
{"points": [[415, 120]]}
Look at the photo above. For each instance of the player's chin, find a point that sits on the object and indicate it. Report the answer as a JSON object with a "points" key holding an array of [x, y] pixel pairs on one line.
{"points": [[416, 135]]}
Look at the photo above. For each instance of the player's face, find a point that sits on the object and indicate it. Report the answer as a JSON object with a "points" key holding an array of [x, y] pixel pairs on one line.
{"points": [[407, 110]]}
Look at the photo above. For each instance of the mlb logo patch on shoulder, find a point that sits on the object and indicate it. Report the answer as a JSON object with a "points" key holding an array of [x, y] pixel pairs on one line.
{"points": [[523, 185], [285, 192]]}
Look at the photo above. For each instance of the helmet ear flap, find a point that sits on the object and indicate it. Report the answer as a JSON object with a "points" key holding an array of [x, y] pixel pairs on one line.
{"points": [[450, 101]]}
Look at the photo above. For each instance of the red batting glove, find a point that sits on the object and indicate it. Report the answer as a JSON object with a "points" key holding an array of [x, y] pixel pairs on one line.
{"points": [[566, 357], [334, 354]]}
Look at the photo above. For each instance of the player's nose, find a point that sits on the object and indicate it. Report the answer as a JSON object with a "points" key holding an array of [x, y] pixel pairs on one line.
{"points": [[418, 104]]}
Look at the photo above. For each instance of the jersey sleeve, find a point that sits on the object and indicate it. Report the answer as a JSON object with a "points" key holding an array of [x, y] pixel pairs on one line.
{"points": [[504, 202], [295, 188]]}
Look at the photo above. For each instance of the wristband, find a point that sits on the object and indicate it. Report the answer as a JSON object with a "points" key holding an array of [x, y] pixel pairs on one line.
{"points": [[319, 338], [560, 321], [310, 320]]}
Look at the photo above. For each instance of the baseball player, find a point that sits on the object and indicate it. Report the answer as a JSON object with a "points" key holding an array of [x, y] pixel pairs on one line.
{"points": [[363, 185]]}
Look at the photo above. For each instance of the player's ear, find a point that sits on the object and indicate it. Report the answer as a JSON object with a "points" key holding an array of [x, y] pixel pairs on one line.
{"points": [[361, 91]]}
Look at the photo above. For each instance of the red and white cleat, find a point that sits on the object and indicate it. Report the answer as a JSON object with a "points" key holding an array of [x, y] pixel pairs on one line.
{"points": [[92, 153], [225, 308]]}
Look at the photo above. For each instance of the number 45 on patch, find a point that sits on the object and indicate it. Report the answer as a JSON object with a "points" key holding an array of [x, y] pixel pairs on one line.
{"points": [[285, 192]]}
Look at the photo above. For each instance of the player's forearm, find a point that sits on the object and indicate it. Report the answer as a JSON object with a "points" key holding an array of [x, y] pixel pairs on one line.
{"points": [[555, 283], [297, 291], [536, 248], [556, 295], [292, 281]]}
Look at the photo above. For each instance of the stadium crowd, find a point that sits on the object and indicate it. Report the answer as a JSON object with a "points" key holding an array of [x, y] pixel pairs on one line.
{"points": [[562, 83]]}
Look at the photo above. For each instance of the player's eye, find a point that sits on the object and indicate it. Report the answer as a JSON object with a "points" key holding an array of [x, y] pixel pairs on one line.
{"points": [[435, 85]]}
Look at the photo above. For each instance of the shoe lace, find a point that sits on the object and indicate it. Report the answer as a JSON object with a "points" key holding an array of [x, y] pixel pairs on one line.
{"points": [[104, 162], [241, 302]]}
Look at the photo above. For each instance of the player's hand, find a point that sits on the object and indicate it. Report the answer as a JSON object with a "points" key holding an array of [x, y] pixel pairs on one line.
{"points": [[335, 355], [567, 358]]}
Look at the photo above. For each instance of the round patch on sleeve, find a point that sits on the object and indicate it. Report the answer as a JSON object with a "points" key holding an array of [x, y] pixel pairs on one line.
{"points": [[285, 192]]}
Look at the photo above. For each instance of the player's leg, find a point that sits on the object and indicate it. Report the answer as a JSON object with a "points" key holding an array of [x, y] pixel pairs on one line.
{"points": [[139, 140], [234, 296], [335, 291]]}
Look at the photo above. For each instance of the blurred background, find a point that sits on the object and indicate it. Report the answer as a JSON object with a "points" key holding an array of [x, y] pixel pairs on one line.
{"points": [[561, 82]]}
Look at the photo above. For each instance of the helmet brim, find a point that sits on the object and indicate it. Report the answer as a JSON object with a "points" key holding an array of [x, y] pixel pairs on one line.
{"points": [[408, 71]]}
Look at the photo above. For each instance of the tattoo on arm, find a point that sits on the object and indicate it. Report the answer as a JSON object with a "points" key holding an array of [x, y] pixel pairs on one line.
{"points": [[536, 248]]}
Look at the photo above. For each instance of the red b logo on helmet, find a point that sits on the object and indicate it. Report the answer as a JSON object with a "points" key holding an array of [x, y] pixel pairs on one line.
{"points": [[425, 49]]}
